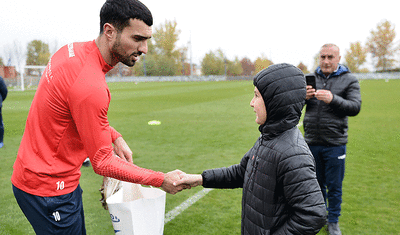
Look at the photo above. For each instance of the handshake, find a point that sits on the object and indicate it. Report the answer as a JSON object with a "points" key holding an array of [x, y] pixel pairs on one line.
{"points": [[176, 181]]}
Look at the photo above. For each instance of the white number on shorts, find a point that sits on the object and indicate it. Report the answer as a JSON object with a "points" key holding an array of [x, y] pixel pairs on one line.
{"points": [[56, 216], [60, 185]]}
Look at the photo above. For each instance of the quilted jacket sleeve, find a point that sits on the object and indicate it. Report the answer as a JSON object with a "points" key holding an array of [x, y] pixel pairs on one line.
{"points": [[350, 104], [226, 177]]}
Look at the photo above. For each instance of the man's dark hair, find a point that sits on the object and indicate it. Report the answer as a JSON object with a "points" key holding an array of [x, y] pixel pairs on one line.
{"points": [[119, 12]]}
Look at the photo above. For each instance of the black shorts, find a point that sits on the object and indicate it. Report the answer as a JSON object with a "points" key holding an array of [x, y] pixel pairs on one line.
{"points": [[53, 215]]}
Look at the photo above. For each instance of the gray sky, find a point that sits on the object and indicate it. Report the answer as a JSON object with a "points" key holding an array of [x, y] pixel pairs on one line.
{"points": [[283, 31]]}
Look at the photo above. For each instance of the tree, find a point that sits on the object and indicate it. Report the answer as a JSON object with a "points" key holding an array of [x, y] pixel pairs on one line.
{"points": [[165, 37], [185, 65], [381, 45], [168, 56], [262, 63], [247, 66], [164, 58], [186, 69], [213, 63], [234, 68], [303, 68], [38, 53], [1, 62], [355, 57], [15, 55]]}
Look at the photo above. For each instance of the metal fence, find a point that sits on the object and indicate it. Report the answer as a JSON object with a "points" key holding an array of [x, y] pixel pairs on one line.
{"points": [[359, 76], [33, 81], [165, 78], [176, 78], [366, 76]]}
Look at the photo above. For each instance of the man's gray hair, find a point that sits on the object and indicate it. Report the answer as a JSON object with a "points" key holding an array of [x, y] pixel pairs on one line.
{"points": [[330, 45]]}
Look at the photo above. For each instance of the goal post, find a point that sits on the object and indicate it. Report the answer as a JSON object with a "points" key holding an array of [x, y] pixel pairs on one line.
{"points": [[31, 75]]}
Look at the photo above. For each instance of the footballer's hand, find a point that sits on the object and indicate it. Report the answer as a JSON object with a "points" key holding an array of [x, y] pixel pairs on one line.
{"points": [[192, 180], [122, 149], [170, 178]]}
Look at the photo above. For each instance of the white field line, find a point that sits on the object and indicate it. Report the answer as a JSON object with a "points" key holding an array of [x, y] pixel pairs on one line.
{"points": [[184, 205]]}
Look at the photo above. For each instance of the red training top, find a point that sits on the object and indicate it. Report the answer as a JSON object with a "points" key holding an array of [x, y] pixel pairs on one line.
{"points": [[67, 122]]}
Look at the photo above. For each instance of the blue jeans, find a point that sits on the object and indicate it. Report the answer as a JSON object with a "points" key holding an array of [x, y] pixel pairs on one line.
{"points": [[61, 215], [330, 164]]}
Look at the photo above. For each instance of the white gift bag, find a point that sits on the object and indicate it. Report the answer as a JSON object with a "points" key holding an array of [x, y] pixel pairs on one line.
{"points": [[137, 210]]}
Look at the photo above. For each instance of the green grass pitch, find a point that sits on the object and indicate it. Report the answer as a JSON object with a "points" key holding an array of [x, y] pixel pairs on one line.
{"points": [[211, 124]]}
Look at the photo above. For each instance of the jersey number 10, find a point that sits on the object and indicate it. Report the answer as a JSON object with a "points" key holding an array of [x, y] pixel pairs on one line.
{"points": [[60, 185]]}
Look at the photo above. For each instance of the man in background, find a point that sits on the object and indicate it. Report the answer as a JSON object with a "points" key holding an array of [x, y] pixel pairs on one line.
{"points": [[335, 97]]}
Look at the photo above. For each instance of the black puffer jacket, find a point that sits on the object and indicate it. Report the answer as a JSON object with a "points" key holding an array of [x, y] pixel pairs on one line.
{"points": [[327, 124], [281, 194]]}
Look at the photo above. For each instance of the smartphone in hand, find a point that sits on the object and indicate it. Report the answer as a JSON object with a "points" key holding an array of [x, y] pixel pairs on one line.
{"points": [[310, 80]]}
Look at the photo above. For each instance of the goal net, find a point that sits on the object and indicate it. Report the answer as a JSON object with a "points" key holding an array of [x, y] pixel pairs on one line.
{"points": [[30, 77]]}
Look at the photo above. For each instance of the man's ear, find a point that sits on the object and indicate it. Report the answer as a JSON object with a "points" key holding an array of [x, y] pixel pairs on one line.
{"points": [[109, 31]]}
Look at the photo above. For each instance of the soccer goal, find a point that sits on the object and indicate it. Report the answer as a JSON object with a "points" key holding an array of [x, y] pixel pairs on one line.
{"points": [[30, 76]]}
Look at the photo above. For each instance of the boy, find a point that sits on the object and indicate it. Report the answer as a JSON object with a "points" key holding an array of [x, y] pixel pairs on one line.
{"points": [[281, 194]]}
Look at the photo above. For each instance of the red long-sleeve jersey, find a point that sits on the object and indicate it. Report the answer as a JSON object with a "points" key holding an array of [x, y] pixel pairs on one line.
{"points": [[67, 122]]}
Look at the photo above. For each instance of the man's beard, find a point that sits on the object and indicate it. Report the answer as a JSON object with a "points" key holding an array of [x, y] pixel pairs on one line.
{"points": [[126, 60]]}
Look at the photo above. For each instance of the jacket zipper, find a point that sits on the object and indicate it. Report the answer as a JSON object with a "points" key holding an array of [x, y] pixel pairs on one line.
{"points": [[324, 83]]}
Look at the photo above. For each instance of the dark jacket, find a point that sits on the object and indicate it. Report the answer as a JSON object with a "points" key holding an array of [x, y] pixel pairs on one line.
{"points": [[3, 91], [327, 124], [281, 194]]}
